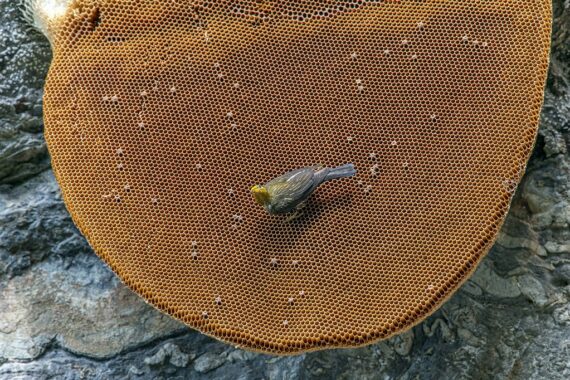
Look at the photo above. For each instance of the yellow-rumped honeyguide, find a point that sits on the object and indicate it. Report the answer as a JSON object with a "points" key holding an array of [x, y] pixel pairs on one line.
{"points": [[289, 192]]}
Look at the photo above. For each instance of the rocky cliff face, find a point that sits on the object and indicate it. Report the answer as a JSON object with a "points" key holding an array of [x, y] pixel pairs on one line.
{"points": [[63, 314]]}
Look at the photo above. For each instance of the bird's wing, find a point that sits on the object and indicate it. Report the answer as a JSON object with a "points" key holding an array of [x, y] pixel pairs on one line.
{"points": [[291, 188]]}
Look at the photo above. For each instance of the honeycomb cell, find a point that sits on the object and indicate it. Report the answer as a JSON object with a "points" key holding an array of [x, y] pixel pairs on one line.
{"points": [[161, 115]]}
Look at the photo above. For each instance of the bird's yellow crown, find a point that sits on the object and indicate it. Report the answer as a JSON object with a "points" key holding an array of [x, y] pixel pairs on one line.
{"points": [[260, 194]]}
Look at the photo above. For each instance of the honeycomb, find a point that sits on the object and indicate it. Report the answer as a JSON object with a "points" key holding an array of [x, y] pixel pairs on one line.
{"points": [[160, 116]]}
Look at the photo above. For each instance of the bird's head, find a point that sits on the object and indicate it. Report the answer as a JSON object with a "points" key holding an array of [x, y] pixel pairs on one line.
{"points": [[260, 194]]}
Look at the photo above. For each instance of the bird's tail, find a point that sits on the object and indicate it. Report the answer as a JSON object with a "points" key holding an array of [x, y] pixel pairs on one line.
{"points": [[343, 171]]}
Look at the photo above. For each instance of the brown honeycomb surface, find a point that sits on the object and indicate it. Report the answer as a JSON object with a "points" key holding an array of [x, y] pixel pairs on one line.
{"points": [[160, 116]]}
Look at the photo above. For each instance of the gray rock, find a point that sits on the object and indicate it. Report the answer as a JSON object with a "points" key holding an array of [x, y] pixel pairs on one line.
{"points": [[541, 251], [444, 330], [553, 247], [562, 273], [208, 362], [533, 289], [171, 352], [65, 315], [469, 338], [136, 371], [403, 343], [562, 315], [240, 356], [494, 284], [24, 60], [54, 281]]}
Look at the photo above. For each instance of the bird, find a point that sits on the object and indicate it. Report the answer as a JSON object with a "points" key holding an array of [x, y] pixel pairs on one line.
{"points": [[289, 192]]}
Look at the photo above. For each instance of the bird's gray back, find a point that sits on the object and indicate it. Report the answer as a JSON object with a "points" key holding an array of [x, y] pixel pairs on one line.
{"points": [[292, 188]]}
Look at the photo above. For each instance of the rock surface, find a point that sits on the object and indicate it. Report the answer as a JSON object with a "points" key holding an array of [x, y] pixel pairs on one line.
{"points": [[64, 315]]}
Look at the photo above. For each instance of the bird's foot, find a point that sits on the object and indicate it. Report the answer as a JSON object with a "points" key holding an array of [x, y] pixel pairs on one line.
{"points": [[296, 214]]}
